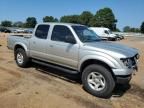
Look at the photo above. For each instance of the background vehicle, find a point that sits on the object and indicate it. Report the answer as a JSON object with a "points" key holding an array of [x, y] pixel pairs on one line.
{"points": [[76, 48], [5, 30], [28, 31], [19, 30], [104, 33], [120, 36]]}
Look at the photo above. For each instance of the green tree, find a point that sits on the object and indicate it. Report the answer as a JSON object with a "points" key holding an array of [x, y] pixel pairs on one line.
{"points": [[65, 19], [126, 29], [50, 19], [18, 24], [142, 27], [104, 18], [117, 30], [85, 18], [30, 22], [70, 19], [136, 30], [56, 20], [6, 23], [131, 29]]}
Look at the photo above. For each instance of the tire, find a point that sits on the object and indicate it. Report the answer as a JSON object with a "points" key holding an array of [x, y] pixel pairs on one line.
{"points": [[102, 85], [109, 39], [21, 58], [117, 39]]}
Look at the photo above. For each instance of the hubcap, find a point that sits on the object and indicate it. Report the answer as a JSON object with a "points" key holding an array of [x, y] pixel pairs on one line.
{"points": [[19, 58], [96, 81]]}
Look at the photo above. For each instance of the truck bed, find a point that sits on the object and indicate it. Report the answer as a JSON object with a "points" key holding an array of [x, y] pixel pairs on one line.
{"points": [[17, 38], [20, 35]]}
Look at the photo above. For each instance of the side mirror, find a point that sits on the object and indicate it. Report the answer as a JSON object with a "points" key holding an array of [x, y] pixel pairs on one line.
{"points": [[70, 39], [106, 32]]}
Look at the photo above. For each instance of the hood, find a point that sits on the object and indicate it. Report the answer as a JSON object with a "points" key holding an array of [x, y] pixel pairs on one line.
{"points": [[113, 49], [112, 35]]}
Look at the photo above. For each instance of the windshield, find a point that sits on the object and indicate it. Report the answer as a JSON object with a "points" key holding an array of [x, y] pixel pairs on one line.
{"points": [[85, 34], [110, 32]]}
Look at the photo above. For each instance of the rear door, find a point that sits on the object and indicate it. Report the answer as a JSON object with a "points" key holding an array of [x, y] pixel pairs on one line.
{"points": [[39, 41]]}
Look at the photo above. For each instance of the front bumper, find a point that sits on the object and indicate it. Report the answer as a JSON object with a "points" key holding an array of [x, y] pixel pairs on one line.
{"points": [[123, 72], [123, 79], [123, 76]]}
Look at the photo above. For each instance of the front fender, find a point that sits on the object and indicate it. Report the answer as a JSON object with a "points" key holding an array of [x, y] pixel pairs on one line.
{"points": [[111, 62]]}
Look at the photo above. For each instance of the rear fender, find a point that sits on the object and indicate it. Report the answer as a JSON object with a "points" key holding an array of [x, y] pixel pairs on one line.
{"points": [[23, 46]]}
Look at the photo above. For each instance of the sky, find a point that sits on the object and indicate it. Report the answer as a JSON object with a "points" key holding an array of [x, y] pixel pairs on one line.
{"points": [[127, 12]]}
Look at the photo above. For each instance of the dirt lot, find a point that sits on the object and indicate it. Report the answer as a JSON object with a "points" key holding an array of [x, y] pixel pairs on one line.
{"points": [[41, 87]]}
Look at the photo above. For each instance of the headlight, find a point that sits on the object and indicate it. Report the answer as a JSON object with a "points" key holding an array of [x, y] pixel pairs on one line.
{"points": [[137, 56], [127, 62]]}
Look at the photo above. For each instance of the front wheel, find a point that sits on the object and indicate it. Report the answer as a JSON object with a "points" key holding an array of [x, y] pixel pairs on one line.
{"points": [[21, 58], [98, 81]]}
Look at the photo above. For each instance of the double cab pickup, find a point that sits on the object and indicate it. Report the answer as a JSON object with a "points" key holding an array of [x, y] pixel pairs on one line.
{"points": [[76, 48]]}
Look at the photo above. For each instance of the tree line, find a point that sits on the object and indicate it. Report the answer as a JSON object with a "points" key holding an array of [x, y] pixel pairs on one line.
{"points": [[29, 23], [102, 18], [133, 29]]}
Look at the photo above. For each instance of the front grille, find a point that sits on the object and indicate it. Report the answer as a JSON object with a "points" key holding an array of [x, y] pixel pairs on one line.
{"points": [[134, 60]]}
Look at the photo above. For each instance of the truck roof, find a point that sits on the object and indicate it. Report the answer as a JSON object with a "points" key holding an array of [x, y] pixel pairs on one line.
{"points": [[102, 28], [59, 23]]}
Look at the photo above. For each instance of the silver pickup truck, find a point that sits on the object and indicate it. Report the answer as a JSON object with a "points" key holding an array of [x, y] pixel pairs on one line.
{"points": [[78, 49]]}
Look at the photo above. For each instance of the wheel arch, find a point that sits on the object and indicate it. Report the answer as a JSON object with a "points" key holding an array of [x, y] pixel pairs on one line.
{"points": [[22, 46], [98, 62]]}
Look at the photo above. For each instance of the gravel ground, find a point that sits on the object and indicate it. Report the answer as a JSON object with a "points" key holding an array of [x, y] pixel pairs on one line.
{"points": [[43, 87]]}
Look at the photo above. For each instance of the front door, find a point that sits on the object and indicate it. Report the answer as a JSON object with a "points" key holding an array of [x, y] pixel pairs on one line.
{"points": [[63, 52]]}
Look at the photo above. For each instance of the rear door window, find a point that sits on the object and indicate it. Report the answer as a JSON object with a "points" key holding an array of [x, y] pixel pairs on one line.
{"points": [[42, 31]]}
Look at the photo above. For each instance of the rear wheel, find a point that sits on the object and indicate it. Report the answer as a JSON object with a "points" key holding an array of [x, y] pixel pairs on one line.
{"points": [[98, 81], [117, 39], [21, 58], [111, 39]]}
